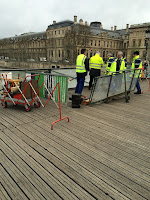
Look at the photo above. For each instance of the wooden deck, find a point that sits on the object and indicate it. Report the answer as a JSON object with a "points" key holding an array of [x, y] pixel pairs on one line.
{"points": [[103, 153]]}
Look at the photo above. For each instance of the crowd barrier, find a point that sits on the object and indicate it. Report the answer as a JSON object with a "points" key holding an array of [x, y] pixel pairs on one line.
{"points": [[107, 87], [49, 79], [36, 87]]}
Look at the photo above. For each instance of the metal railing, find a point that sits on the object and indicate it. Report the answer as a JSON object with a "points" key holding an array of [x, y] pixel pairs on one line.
{"points": [[107, 87]]}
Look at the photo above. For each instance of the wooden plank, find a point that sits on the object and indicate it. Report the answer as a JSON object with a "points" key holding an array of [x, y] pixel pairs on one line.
{"points": [[53, 147], [3, 194], [49, 178], [10, 185], [137, 187]]}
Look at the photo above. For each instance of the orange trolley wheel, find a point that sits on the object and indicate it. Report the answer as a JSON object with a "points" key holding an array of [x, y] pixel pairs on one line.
{"points": [[4, 104], [27, 108], [37, 104]]}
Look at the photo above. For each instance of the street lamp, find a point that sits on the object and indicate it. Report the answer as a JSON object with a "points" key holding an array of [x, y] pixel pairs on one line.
{"points": [[146, 45]]}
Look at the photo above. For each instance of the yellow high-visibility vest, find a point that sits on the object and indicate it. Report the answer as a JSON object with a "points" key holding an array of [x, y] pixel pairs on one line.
{"points": [[80, 64], [123, 65], [137, 72], [96, 62], [112, 68]]}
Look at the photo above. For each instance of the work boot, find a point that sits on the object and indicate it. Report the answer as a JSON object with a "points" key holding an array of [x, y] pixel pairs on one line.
{"points": [[138, 92]]}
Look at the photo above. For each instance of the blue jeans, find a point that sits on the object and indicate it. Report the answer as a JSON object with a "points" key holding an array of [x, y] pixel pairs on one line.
{"points": [[80, 85], [138, 86]]}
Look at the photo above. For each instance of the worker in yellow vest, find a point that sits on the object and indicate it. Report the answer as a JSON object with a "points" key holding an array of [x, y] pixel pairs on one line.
{"points": [[95, 63], [137, 64], [120, 67], [111, 70], [121, 64], [111, 65], [82, 66]]}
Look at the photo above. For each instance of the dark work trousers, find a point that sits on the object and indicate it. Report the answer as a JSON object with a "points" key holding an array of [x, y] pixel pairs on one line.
{"points": [[80, 85], [93, 74], [138, 86]]}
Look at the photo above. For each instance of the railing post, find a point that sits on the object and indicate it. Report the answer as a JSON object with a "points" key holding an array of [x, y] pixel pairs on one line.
{"points": [[109, 86]]}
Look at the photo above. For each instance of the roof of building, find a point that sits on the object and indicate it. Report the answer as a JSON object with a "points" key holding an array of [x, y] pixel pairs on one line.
{"points": [[61, 24], [147, 24], [96, 31], [30, 35]]}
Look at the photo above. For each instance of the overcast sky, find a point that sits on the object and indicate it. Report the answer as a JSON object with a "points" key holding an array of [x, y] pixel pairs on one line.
{"points": [[20, 16]]}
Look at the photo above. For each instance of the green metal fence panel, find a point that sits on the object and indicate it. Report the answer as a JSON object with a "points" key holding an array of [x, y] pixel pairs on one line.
{"points": [[149, 73], [63, 81], [41, 81]]}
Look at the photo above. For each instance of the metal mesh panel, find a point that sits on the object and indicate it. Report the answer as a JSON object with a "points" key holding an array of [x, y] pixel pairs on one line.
{"points": [[101, 88], [134, 80], [117, 85], [128, 75]]}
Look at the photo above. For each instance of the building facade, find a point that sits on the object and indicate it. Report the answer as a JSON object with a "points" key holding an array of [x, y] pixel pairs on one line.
{"points": [[60, 44]]}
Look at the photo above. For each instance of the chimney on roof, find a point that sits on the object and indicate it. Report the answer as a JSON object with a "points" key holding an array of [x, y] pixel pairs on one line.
{"points": [[81, 21], [75, 19], [112, 28], [115, 28], [86, 24], [54, 22], [127, 27]]}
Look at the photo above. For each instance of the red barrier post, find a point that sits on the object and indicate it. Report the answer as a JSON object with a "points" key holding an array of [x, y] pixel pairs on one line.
{"points": [[59, 110], [148, 88]]}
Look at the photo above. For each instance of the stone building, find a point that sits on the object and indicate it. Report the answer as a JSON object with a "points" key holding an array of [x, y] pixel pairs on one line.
{"points": [[60, 44], [138, 40]]}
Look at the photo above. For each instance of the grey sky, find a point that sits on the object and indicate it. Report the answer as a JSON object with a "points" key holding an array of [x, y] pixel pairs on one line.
{"points": [[20, 16]]}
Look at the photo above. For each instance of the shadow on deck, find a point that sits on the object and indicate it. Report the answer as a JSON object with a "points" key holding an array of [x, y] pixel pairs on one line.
{"points": [[103, 153]]}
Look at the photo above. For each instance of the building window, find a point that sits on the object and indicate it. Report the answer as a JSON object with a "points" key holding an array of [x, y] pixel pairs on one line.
{"points": [[111, 44], [103, 54], [59, 43], [117, 44], [133, 43], [91, 42], [91, 54], [95, 42], [52, 52], [78, 51], [62, 31], [139, 43], [125, 46], [55, 32], [99, 43], [62, 53], [114, 45], [59, 32], [59, 53], [107, 44], [104, 43]]}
